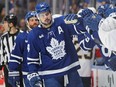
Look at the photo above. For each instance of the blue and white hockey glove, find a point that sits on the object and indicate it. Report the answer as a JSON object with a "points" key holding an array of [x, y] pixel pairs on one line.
{"points": [[109, 12], [71, 19], [92, 22], [14, 81], [86, 12], [105, 10], [34, 80], [111, 63]]}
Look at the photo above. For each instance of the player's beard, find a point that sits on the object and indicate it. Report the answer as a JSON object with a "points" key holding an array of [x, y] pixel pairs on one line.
{"points": [[34, 25]]}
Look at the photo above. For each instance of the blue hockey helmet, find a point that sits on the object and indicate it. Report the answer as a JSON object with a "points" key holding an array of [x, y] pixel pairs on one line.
{"points": [[29, 15], [42, 7]]}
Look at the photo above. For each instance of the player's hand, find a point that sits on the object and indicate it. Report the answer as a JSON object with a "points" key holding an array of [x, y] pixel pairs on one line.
{"points": [[111, 63], [86, 12], [70, 19], [14, 81], [105, 10], [110, 12], [34, 80], [92, 22]]}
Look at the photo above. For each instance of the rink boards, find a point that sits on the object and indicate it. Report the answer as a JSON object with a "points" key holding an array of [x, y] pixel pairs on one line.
{"points": [[103, 78]]}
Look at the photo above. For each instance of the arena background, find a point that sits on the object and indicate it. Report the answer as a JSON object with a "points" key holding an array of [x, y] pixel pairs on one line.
{"points": [[20, 7]]}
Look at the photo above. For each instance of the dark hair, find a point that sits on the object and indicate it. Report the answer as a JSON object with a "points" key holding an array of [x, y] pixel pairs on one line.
{"points": [[11, 18]]}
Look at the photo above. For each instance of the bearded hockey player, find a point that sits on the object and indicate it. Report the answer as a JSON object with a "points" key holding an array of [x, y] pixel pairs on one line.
{"points": [[18, 58]]}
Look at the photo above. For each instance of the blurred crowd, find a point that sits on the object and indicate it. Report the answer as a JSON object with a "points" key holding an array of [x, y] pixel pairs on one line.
{"points": [[20, 7]]}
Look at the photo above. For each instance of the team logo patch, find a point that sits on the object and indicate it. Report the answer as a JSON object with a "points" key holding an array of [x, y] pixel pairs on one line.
{"points": [[56, 49]]}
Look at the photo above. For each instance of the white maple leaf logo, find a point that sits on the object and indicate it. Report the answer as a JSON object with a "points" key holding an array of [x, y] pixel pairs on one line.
{"points": [[56, 49]]}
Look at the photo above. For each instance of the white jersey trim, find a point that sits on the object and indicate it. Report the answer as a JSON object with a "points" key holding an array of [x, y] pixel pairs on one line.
{"points": [[48, 72]]}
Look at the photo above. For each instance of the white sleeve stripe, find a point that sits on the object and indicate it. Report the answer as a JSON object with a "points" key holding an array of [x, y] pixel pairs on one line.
{"points": [[80, 32], [82, 42], [48, 72], [29, 63], [18, 57], [76, 29], [14, 61], [33, 59], [14, 73], [25, 73]]}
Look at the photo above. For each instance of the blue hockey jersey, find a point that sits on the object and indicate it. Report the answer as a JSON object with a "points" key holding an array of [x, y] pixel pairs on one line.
{"points": [[18, 58], [88, 41], [51, 51]]}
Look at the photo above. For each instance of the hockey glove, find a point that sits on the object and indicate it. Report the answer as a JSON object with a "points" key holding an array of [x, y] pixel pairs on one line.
{"points": [[92, 22], [34, 80], [105, 10], [111, 63], [14, 81], [86, 12], [70, 19], [110, 12]]}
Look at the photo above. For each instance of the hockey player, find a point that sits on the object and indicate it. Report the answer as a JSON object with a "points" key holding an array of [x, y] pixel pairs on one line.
{"points": [[92, 23], [95, 23], [107, 31], [7, 41], [86, 59], [18, 58], [101, 25], [51, 54], [104, 43]]}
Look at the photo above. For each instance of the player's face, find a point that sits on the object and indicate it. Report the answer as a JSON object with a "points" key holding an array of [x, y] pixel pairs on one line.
{"points": [[33, 22], [5, 25], [45, 17]]}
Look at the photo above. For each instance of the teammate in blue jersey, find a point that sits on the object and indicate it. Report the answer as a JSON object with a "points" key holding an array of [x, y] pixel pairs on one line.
{"points": [[95, 23], [51, 53], [18, 58], [87, 42]]}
